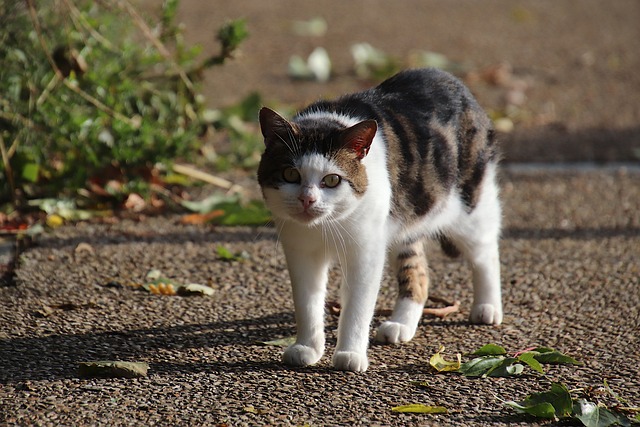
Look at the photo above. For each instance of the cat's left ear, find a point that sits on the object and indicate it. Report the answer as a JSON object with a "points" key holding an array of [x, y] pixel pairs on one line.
{"points": [[359, 137]]}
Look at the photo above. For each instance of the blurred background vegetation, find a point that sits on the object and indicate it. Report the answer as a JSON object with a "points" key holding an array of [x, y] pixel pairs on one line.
{"points": [[97, 102], [116, 103]]}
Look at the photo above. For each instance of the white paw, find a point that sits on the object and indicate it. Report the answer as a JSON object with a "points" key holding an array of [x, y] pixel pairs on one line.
{"points": [[489, 314], [394, 333], [301, 355], [350, 361]]}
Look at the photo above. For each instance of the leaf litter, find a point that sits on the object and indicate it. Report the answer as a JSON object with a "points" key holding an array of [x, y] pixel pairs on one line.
{"points": [[493, 360], [112, 369], [557, 403], [156, 284]]}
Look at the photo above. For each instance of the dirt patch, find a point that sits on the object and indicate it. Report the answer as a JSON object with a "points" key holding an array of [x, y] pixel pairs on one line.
{"points": [[578, 60]]}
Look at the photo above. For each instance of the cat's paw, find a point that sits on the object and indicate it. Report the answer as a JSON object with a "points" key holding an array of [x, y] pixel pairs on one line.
{"points": [[350, 361], [394, 333], [489, 314], [301, 355]]}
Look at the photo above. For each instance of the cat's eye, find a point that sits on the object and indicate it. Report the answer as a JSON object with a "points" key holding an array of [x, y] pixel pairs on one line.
{"points": [[291, 175], [331, 181]]}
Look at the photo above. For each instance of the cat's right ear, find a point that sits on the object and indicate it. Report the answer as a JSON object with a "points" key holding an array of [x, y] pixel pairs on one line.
{"points": [[274, 127]]}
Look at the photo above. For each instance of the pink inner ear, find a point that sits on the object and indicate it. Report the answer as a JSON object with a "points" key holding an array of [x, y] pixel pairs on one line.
{"points": [[360, 136]]}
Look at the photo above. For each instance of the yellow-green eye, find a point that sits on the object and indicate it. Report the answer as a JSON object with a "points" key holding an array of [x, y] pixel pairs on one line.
{"points": [[332, 180], [291, 175]]}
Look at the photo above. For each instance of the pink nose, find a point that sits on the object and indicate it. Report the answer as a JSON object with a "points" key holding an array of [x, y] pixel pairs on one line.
{"points": [[307, 200]]}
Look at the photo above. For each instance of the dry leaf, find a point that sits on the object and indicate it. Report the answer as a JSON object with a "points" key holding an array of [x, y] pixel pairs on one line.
{"points": [[199, 219], [113, 369], [441, 365], [84, 247], [334, 308]]}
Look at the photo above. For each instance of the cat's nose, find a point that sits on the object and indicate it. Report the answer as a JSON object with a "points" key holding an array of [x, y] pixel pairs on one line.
{"points": [[307, 200]]}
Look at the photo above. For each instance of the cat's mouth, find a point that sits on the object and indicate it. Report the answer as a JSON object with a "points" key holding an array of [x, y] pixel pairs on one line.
{"points": [[307, 217]]}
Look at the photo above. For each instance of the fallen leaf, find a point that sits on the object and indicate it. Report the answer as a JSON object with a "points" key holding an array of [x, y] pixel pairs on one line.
{"points": [[334, 308], [226, 255], [200, 219], [490, 350], [314, 27], [135, 203], [161, 288], [495, 366], [418, 408], [592, 415], [555, 403], [153, 274], [530, 359], [54, 221], [316, 67], [441, 365], [443, 311], [113, 369], [553, 357], [48, 309], [194, 289], [84, 247], [281, 342], [252, 410], [540, 410]]}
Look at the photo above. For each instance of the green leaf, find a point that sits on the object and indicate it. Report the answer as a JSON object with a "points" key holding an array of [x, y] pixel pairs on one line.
{"points": [[507, 368], [529, 358], [254, 213], [490, 350], [537, 404], [540, 410], [418, 408], [554, 357], [592, 415], [30, 172], [441, 365], [480, 365], [491, 366], [232, 34], [226, 255]]}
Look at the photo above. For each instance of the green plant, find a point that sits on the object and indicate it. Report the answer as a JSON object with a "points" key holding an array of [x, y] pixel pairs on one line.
{"points": [[91, 89]]}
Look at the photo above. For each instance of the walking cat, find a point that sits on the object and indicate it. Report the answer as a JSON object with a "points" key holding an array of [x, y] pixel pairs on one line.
{"points": [[367, 178]]}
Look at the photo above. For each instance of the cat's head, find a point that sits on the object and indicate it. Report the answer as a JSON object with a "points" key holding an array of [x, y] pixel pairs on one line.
{"points": [[311, 170]]}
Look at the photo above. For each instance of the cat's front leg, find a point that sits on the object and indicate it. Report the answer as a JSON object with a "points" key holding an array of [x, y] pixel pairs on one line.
{"points": [[308, 271], [359, 292]]}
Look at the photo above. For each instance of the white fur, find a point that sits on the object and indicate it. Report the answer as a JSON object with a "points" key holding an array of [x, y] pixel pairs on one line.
{"points": [[356, 233], [402, 325]]}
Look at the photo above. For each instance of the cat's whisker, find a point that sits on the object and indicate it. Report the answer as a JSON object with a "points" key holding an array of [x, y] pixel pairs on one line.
{"points": [[340, 249]]}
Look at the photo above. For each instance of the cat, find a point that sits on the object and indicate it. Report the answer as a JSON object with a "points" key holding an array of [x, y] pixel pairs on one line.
{"points": [[369, 177]]}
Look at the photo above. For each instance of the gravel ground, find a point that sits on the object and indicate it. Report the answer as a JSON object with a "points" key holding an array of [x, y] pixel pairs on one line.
{"points": [[570, 259], [570, 251]]}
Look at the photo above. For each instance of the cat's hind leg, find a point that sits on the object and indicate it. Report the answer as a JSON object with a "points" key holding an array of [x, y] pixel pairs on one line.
{"points": [[477, 237], [413, 289]]}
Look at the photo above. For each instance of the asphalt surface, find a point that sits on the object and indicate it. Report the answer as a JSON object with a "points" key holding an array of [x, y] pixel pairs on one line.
{"points": [[571, 267], [570, 249]]}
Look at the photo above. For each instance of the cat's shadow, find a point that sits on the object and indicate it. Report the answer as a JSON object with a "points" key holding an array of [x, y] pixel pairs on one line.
{"points": [[57, 356]]}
